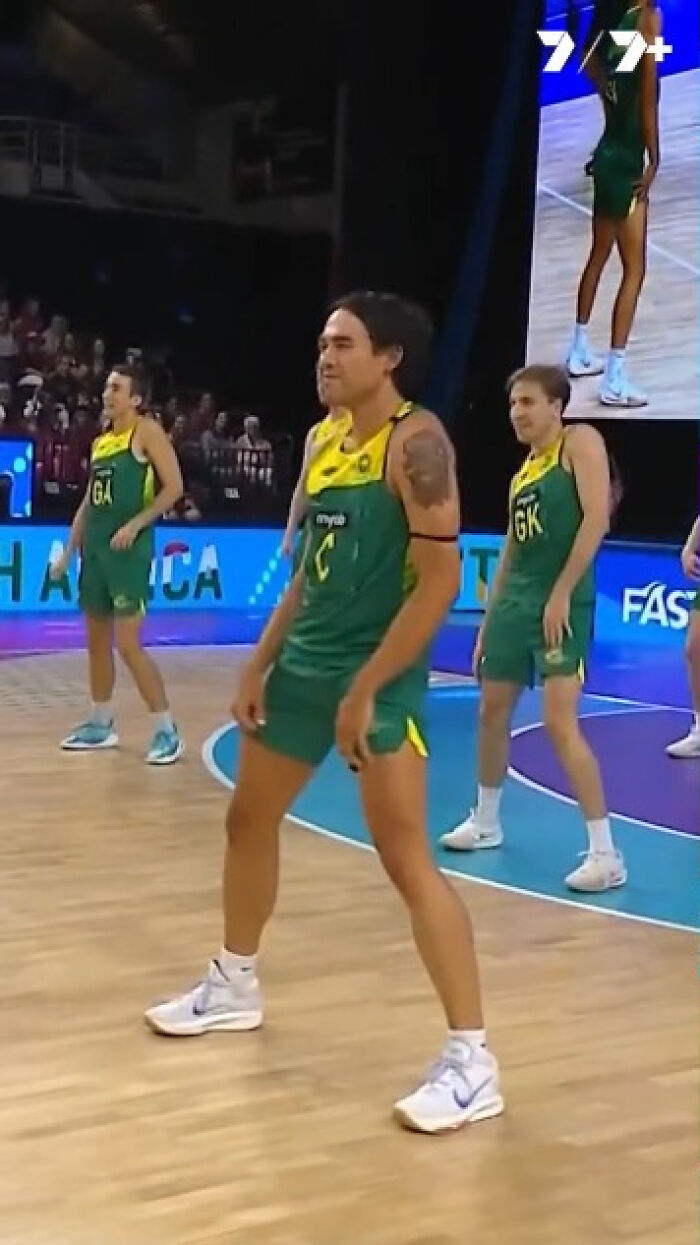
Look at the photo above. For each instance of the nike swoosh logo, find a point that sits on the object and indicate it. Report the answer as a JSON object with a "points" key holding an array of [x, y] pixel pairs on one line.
{"points": [[463, 1103]]}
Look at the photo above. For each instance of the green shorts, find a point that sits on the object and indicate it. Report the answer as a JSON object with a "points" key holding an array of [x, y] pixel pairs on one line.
{"points": [[616, 171], [514, 649], [300, 713], [115, 582]]}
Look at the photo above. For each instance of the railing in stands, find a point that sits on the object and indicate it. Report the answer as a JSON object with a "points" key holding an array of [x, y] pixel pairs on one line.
{"points": [[38, 141]]}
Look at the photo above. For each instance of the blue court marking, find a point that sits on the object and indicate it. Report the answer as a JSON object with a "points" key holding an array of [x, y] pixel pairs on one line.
{"points": [[543, 832]]}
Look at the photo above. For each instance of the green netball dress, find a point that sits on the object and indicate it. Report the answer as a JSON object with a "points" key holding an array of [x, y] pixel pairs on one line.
{"points": [[545, 515], [356, 578], [121, 486], [618, 160]]}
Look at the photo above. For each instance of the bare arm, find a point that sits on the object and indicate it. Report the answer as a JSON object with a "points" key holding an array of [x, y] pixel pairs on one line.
{"points": [[650, 29], [588, 457], [502, 565], [692, 544], [300, 502], [152, 441], [77, 527], [421, 468], [279, 622]]}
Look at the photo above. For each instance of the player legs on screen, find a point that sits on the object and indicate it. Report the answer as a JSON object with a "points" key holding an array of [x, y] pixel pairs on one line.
{"points": [[539, 617], [345, 658], [113, 529], [689, 745], [624, 165]]}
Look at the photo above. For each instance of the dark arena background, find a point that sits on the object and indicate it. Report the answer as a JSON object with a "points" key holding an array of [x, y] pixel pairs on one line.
{"points": [[189, 186]]}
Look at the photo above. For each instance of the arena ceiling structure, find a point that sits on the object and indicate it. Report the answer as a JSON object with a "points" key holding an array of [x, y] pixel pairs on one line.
{"points": [[211, 50]]}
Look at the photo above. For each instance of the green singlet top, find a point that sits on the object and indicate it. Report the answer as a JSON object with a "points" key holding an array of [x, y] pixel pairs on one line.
{"points": [[356, 568], [120, 486], [623, 96], [545, 515]]}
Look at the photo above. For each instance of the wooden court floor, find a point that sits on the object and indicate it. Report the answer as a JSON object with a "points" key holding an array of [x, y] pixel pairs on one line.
{"points": [[109, 1135], [663, 349]]}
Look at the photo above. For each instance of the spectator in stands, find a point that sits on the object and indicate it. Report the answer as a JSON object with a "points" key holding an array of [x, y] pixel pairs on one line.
{"points": [[205, 414], [178, 432], [216, 438], [5, 406], [251, 438], [54, 337], [33, 358], [70, 350], [28, 321], [95, 370], [61, 385], [9, 350], [172, 410]]}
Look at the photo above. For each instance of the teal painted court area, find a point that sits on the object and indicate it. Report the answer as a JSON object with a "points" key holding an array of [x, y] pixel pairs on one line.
{"points": [[543, 830]]}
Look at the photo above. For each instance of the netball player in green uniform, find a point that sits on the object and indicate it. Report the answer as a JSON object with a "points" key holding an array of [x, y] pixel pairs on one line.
{"points": [[113, 530], [624, 165], [539, 618], [344, 659], [689, 746]]}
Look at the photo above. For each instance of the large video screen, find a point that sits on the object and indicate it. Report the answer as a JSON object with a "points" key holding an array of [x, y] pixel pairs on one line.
{"points": [[16, 477], [661, 358]]}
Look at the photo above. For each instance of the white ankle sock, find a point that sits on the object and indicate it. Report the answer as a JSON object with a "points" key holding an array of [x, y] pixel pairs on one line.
{"points": [[581, 338], [615, 364], [599, 837], [474, 1038], [101, 713], [233, 966], [696, 722], [163, 721], [487, 805]]}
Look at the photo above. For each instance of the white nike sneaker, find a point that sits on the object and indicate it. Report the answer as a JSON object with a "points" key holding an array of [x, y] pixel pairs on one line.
{"points": [[215, 1004], [582, 362], [622, 393], [600, 871], [462, 1087], [472, 835], [688, 746]]}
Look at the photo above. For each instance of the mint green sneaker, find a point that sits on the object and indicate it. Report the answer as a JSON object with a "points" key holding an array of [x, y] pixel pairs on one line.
{"points": [[166, 748], [90, 736]]}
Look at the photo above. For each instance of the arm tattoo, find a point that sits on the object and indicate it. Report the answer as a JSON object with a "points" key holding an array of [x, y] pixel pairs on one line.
{"points": [[427, 463]]}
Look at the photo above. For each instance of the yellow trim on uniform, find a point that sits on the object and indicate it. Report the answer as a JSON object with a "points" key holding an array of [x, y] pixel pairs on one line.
{"points": [[536, 466], [336, 466], [110, 442], [149, 485], [415, 738], [331, 425]]}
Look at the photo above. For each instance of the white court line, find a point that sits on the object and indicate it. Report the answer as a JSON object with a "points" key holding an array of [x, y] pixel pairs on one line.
{"points": [[634, 707], [652, 246], [581, 905]]}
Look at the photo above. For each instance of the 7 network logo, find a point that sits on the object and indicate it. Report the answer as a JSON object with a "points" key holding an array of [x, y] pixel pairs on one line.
{"points": [[563, 48]]}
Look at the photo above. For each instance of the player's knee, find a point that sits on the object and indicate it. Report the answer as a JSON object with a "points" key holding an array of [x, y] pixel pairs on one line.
{"points": [[405, 868], [561, 725], [692, 648], [633, 270], [243, 821], [128, 646], [493, 710]]}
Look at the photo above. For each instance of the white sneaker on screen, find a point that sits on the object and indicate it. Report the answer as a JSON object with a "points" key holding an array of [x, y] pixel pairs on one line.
{"points": [[214, 1004]]}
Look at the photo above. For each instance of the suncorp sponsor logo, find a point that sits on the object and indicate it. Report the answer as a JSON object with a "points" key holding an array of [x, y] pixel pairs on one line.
{"points": [[657, 604]]}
